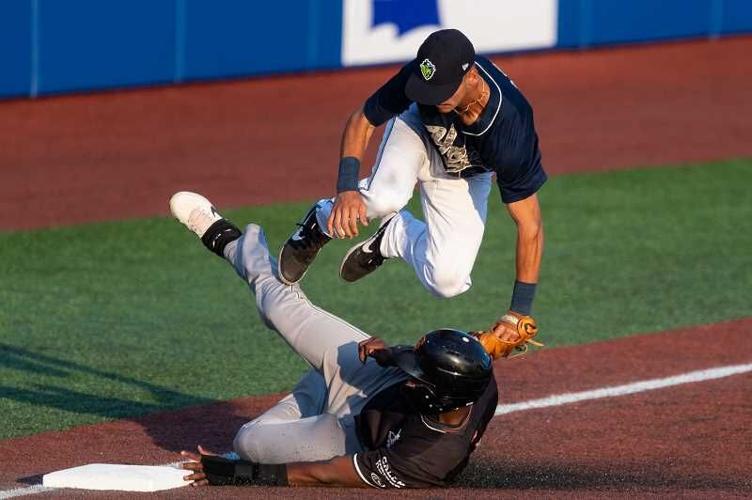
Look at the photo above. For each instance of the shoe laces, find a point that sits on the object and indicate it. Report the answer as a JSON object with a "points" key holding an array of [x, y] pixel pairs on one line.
{"points": [[375, 259], [312, 238], [200, 220]]}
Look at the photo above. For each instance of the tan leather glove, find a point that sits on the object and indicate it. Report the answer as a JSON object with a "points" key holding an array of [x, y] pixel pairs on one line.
{"points": [[513, 332]]}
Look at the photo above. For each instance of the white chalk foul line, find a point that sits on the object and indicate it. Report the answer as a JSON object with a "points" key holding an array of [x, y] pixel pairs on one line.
{"points": [[26, 490], [555, 400], [623, 390]]}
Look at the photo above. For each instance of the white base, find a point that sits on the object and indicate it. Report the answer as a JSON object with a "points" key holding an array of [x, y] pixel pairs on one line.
{"points": [[117, 477]]}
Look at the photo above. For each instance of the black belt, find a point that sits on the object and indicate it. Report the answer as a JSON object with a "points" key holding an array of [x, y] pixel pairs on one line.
{"points": [[468, 172]]}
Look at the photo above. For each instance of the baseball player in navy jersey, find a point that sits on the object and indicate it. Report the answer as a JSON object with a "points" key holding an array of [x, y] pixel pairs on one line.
{"points": [[365, 414], [453, 119]]}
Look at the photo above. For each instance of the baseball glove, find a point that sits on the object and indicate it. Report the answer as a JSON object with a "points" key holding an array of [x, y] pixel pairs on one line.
{"points": [[498, 347]]}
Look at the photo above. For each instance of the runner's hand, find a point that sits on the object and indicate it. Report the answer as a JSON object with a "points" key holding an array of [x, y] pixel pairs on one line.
{"points": [[198, 477]]}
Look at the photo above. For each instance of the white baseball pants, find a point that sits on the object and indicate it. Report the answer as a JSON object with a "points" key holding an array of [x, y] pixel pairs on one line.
{"points": [[441, 250]]}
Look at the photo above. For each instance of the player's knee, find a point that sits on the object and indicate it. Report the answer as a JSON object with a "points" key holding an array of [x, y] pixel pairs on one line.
{"points": [[384, 205], [447, 283], [247, 442]]}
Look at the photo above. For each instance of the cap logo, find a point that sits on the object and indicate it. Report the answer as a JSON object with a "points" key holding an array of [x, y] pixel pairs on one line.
{"points": [[427, 69]]}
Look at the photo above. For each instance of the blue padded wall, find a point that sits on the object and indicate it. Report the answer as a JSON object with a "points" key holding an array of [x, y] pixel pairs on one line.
{"points": [[615, 21], [585, 23], [15, 47], [736, 16], [112, 43], [236, 37]]}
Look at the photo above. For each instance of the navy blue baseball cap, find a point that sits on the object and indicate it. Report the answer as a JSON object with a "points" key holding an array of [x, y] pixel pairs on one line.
{"points": [[442, 61]]}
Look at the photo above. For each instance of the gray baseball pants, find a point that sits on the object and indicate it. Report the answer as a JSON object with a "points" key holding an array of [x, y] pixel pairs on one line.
{"points": [[316, 421]]}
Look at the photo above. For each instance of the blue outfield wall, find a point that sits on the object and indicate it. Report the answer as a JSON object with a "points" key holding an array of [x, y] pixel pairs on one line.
{"points": [[95, 43], [15, 47], [587, 23], [238, 37], [54, 46]]}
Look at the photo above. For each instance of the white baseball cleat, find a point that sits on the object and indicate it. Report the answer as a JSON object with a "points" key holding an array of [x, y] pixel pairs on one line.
{"points": [[194, 211]]}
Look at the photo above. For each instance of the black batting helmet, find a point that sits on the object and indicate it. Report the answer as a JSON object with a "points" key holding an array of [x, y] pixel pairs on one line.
{"points": [[451, 368]]}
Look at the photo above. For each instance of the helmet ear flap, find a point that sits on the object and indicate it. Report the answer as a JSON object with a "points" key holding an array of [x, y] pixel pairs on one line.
{"points": [[423, 397], [426, 399]]}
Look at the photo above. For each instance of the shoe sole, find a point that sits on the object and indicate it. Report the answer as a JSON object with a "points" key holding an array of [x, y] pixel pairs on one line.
{"points": [[279, 257], [279, 269], [344, 260], [360, 245]]}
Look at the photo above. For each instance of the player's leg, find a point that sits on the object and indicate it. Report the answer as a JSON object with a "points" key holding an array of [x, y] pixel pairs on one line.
{"points": [[328, 343], [385, 191], [390, 185], [442, 250], [312, 332], [297, 428], [337, 389]]}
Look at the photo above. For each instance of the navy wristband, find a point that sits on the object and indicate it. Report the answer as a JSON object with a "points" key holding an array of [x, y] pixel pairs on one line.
{"points": [[522, 297], [347, 178]]}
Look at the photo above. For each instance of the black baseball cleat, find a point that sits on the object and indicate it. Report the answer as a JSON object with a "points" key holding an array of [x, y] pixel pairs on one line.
{"points": [[301, 248], [365, 257]]}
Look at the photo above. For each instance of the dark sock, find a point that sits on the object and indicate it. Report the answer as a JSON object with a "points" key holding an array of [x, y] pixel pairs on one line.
{"points": [[219, 235]]}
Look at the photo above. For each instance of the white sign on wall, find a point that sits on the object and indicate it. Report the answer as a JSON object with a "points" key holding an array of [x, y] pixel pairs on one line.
{"points": [[378, 31]]}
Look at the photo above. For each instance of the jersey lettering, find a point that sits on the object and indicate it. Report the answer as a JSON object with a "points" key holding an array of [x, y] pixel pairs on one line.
{"points": [[392, 438], [456, 157], [382, 466], [377, 480]]}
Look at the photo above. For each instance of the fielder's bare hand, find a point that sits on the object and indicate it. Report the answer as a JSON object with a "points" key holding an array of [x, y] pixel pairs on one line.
{"points": [[198, 477], [349, 209]]}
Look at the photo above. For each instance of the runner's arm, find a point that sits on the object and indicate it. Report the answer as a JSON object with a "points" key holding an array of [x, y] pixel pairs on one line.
{"points": [[339, 471]]}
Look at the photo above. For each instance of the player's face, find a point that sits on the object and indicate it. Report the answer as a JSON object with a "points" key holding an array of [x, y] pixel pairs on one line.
{"points": [[455, 100]]}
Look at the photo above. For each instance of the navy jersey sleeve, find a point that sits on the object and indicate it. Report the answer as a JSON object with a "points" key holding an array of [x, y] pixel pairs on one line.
{"points": [[521, 180], [514, 150], [390, 100]]}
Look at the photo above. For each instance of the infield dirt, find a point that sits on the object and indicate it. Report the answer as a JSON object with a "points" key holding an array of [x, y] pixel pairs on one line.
{"points": [[691, 440]]}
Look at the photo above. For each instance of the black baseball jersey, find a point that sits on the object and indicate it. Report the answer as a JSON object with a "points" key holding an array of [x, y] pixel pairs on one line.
{"points": [[502, 140], [404, 449]]}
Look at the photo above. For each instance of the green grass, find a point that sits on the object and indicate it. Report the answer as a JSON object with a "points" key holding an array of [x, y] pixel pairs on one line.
{"points": [[110, 320]]}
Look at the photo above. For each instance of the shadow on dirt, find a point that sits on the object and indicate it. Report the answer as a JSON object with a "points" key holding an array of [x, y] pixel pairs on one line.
{"points": [[212, 425]]}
